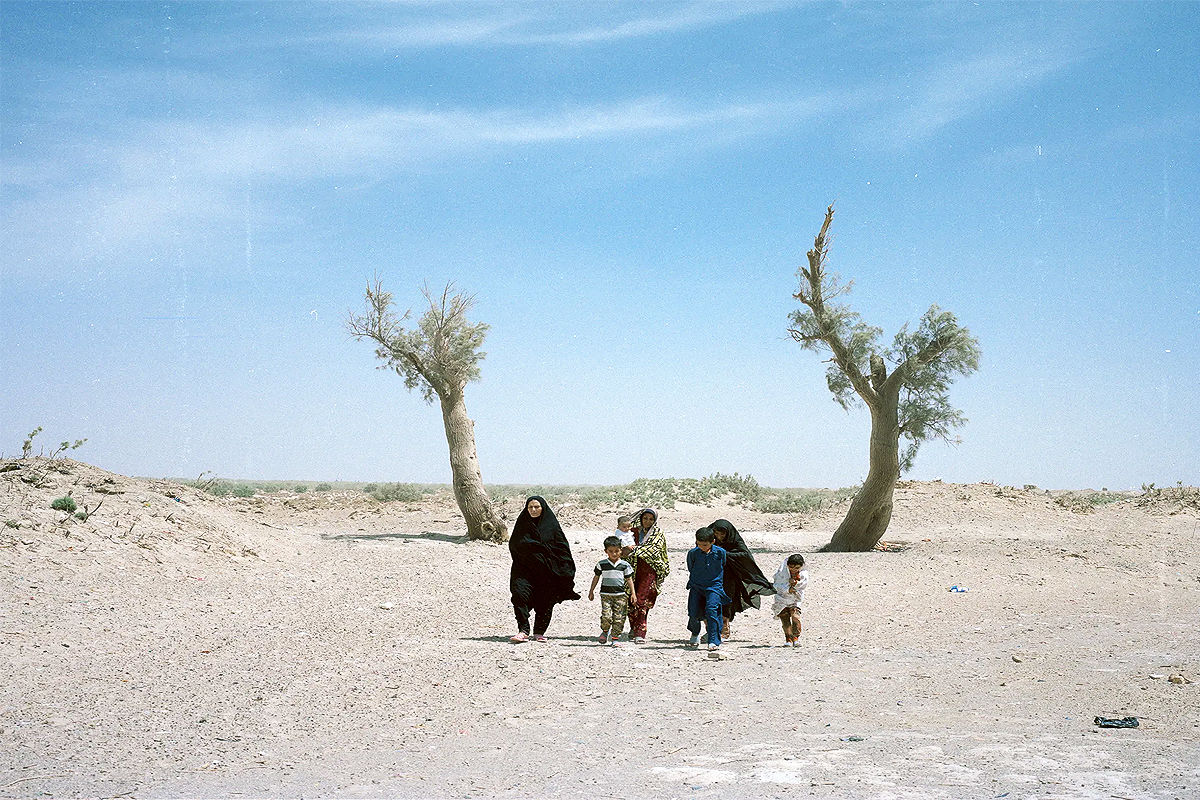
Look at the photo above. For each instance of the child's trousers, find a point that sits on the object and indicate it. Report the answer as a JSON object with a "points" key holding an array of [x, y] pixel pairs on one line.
{"points": [[790, 617], [613, 608], [705, 604]]}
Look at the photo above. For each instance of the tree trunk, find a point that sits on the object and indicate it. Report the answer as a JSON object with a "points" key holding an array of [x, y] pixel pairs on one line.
{"points": [[482, 520], [871, 510]]}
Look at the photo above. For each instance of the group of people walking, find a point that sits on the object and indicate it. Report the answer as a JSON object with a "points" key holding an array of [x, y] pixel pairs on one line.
{"points": [[724, 578]]}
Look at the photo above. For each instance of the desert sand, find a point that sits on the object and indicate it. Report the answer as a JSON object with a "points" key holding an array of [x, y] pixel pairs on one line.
{"points": [[175, 644]]}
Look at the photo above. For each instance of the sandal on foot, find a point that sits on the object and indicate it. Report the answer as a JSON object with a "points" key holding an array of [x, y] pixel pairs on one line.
{"points": [[541, 637], [520, 637]]}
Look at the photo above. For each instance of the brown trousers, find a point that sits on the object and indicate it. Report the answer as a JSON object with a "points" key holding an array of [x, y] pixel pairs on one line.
{"points": [[790, 617]]}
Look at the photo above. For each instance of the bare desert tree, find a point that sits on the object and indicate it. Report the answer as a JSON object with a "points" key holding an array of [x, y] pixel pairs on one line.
{"points": [[912, 401], [440, 356]]}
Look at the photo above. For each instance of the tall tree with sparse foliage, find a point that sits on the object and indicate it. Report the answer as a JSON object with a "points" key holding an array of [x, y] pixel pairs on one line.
{"points": [[905, 387], [439, 357]]}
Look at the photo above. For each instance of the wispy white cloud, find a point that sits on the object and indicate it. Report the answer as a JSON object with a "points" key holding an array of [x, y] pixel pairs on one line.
{"points": [[524, 24], [430, 33], [180, 180], [186, 176], [674, 19], [355, 141], [958, 88]]}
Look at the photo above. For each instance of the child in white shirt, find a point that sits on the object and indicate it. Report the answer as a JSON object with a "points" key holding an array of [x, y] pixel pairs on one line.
{"points": [[791, 579]]}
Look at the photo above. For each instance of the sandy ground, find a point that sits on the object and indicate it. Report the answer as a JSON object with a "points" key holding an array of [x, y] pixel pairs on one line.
{"points": [[178, 645]]}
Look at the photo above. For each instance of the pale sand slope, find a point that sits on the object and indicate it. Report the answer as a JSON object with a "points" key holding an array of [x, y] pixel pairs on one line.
{"points": [[223, 657]]}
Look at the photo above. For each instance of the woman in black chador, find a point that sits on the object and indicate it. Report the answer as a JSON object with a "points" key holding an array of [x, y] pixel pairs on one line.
{"points": [[744, 581], [543, 572]]}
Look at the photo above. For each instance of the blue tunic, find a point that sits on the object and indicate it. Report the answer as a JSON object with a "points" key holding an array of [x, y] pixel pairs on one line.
{"points": [[706, 591], [707, 570]]}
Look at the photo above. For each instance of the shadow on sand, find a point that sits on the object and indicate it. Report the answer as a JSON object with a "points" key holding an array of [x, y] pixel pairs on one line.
{"points": [[577, 641], [429, 536]]}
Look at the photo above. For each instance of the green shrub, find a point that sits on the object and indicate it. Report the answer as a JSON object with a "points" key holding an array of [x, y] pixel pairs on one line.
{"points": [[11, 523], [301, 489], [323, 487], [1085, 502], [370, 488], [242, 490], [81, 516], [801, 501], [66, 504], [398, 492]]}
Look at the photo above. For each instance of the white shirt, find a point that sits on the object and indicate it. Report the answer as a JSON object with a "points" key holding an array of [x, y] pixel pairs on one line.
{"points": [[785, 596]]}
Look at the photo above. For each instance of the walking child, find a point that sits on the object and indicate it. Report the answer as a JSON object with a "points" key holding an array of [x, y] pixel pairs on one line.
{"points": [[706, 589], [791, 579], [615, 576]]}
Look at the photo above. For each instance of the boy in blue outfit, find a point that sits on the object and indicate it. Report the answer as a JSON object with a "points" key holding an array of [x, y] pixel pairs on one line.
{"points": [[706, 590]]}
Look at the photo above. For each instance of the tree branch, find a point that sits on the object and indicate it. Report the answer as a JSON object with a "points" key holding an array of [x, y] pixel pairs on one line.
{"points": [[382, 326], [934, 348], [815, 299]]}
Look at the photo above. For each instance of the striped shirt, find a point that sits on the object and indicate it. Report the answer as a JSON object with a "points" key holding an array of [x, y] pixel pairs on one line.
{"points": [[613, 574]]}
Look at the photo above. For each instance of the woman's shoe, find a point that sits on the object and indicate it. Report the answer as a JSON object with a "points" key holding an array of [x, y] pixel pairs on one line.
{"points": [[521, 636]]}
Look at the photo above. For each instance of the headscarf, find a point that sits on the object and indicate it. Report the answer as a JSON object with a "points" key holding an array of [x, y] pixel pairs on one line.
{"points": [[541, 555], [651, 548], [744, 581]]}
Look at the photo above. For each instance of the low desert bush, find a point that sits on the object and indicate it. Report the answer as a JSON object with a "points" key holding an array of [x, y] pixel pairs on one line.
{"points": [[802, 501], [397, 492], [1086, 502], [66, 504], [242, 490], [11, 523], [1169, 497], [301, 489], [323, 487], [370, 488], [27, 445], [659, 493]]}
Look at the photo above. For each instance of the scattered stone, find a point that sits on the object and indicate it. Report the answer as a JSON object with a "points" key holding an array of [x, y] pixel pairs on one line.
{"points": [[1017, 659], [1178, 679]]}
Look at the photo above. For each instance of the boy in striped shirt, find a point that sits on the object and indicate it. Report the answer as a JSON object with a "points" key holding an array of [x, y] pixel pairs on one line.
{"points": [[615, 577]]}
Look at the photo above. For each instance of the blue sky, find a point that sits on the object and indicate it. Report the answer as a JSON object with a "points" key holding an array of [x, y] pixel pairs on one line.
{"points": [[194, 195]]}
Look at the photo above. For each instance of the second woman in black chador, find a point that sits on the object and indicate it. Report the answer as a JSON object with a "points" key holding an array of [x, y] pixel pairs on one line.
{"points": [[744, 581], [543, 571]]}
